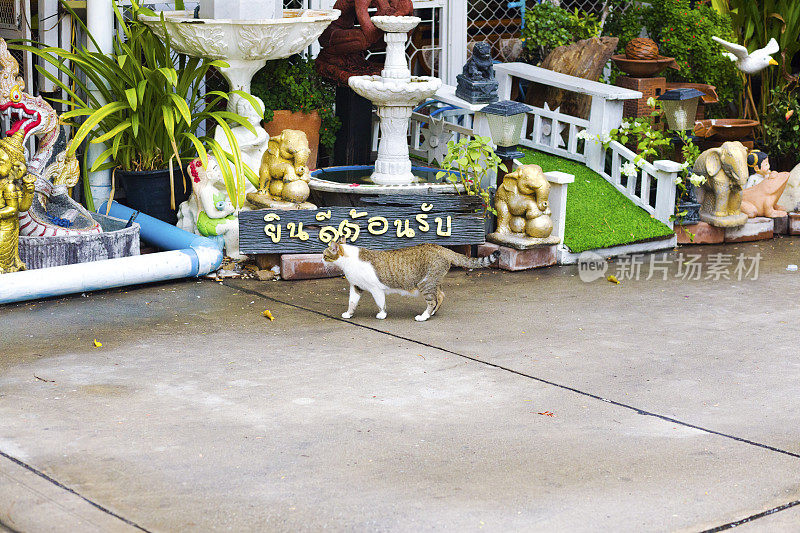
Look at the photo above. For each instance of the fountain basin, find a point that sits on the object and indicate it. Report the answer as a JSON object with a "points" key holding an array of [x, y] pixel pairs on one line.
{"points": [[395, 92], [346, 186], [392, 24], [242, 40], [725, 129]]}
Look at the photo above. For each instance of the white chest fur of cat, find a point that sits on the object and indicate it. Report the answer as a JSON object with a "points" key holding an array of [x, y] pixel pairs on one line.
{"points": [[413, 271]]}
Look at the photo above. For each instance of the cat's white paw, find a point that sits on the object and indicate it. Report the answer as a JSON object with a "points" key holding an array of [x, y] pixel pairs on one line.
{"points": [[347, 315], [421, 318], [381, 315]]}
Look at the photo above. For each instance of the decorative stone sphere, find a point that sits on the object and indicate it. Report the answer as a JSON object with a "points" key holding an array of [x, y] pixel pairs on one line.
{"points": [[541, 226], [296, 191], [641, 48], [517, 224]]}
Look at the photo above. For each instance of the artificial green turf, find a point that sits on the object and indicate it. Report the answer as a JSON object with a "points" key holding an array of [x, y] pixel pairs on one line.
{"points": [[598, 215]]}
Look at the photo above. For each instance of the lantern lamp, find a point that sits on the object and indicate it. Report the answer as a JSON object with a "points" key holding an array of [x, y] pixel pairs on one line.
{"points": [[506, 119], [680, 107]]}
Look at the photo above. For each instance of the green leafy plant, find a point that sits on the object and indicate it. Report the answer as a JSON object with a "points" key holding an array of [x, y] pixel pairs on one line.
{"points": [[548, 26], [293, 84], [146, 109], [473, 160], [755, 22], [683, 32], [782, 127]]}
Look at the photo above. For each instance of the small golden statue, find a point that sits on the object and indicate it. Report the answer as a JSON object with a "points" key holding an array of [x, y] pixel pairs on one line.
{"points": [[523, 212], [284, 176], [16, 196]]}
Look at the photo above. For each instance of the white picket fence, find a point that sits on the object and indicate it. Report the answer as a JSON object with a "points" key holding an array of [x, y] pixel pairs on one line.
{"points": [[652, 187]]}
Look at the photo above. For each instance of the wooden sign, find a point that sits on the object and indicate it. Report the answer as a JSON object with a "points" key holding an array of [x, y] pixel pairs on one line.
{"points": [[388, 222]]}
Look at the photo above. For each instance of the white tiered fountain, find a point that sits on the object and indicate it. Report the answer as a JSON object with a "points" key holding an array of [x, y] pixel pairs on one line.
{"points": [[395, 92], [245, 42]]}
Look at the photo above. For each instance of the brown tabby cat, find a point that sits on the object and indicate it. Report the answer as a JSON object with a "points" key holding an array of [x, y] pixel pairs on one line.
{"points": [[408, 271]]}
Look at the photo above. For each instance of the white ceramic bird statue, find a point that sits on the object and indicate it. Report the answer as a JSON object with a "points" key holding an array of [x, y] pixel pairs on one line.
{"points": [[747, 62]]}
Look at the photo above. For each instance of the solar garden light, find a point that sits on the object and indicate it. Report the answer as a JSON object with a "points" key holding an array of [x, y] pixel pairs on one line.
{"points": [[506, 119], [680, 107]]}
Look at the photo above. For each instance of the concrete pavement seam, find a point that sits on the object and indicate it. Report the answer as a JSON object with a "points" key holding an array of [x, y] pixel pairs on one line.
{"points": [[731, 525], [5, 528], [71, 491], [523, 374]]}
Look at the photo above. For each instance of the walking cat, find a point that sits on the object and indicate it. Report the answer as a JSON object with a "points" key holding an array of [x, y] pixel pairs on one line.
{"points": [[414, 271]]}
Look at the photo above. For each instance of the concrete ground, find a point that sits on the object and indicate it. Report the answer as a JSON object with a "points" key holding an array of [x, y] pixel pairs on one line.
{"points": [[532, 401]]}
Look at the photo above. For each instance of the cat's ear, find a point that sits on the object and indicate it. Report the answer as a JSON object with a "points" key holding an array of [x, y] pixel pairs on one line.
{"points": [[341, 241], [334, 246]]}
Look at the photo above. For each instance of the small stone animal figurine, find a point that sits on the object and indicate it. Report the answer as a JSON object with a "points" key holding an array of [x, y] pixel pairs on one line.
{"points": [[418, 270], [761, 199], [476, 83], [479, 66]]}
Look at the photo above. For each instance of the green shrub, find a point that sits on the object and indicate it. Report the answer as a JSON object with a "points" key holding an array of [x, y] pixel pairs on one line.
{"points": [[781, 134], [548, 27], [684, 33], [293, 84]]}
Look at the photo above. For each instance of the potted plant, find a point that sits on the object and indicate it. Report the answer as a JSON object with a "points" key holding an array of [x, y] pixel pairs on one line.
{"points": [[470, 162], [147, 112], [295, 97]]}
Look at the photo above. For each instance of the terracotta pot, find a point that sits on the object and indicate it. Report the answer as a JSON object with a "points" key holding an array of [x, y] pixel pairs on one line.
{"points": [[306, 122], [643, 68]]}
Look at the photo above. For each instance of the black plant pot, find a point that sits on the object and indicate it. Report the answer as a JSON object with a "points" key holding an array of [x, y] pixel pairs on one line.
{"points": [[690, 205], [692, 215], [149, 193]]}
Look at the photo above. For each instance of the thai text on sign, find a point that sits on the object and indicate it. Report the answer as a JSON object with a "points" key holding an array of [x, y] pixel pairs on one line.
{"points": [[385, 223]]}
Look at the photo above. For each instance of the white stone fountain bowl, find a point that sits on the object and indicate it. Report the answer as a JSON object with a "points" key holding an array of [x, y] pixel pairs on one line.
{"points": [[388, 92], [396, 24], [246, 40]]}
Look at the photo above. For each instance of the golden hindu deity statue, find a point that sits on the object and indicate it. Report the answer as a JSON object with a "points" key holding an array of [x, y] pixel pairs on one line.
{"points": [[16, 196]]}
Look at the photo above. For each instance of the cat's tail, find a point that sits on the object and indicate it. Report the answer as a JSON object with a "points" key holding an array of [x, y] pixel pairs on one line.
{"points": [[459, 260]]}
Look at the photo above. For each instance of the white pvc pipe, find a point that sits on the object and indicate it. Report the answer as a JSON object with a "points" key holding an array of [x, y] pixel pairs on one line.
{"points": [[100, 22], [197, 256], [98, 275]]}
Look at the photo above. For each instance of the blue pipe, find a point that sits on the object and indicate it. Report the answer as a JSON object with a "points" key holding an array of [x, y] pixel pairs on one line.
{"points": [[168, 237]]}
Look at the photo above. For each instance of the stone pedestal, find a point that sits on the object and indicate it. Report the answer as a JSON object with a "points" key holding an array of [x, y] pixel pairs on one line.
{"points": [[394, 163], [514, 260], [265, 201], [756, 229], [477, 92], [728, 222], [649, 87], [520, 241]]}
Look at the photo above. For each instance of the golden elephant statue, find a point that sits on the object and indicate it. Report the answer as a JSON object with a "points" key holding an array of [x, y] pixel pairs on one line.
{"points": [[522, 203], [725, 169], [523, 211], [284, 174]]}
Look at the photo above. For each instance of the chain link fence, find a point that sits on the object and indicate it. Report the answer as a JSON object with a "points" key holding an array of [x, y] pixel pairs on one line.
{"points": [[499, 22]]}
